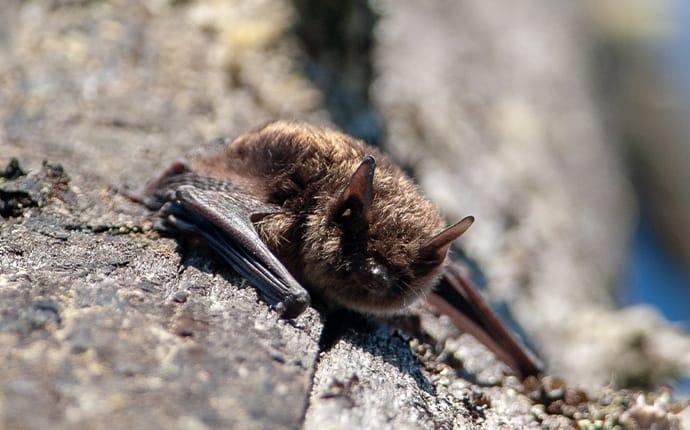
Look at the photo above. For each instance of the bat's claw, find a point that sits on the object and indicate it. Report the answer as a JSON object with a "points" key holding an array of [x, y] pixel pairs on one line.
{"points": [[293, 305]]}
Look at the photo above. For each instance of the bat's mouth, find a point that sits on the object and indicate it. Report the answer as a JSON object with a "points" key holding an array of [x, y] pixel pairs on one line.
{"points": [[396, 297], [370, 299]]}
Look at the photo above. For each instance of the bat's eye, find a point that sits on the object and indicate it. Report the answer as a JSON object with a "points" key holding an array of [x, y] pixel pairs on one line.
{"points": [[379, 274]]}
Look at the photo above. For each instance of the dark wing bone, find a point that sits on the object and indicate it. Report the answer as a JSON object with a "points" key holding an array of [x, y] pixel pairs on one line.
{"points": [[220, 213], [461, 302]]}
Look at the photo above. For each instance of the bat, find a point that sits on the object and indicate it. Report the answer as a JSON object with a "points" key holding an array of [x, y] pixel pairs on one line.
{"points": [[302, 211]]}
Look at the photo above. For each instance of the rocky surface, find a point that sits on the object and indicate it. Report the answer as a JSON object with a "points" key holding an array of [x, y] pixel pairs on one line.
{"points": [[105, 324]]}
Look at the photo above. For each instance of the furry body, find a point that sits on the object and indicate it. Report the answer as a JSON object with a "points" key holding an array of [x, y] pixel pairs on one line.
{"points": [[303, 169]]}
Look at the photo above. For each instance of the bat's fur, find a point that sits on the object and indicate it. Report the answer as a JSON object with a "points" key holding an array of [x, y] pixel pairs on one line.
{"points": [[303, 169]]}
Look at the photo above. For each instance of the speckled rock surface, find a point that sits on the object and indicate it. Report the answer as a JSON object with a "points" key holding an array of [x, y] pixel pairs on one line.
{"points": [[104, 324]]}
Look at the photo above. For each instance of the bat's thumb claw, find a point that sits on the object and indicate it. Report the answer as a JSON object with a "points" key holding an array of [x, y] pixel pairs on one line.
{"points": [[294, 305]]}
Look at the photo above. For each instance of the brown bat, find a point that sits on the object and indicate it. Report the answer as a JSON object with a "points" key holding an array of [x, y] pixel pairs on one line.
{"points": [[299, 210]]}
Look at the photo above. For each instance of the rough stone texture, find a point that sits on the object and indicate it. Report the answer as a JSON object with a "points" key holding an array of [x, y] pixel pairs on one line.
{"points": [[492, 106], [376, 377], [104, 324]]}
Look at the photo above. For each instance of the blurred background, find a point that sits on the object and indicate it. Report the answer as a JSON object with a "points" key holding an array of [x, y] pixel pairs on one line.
{"points": [[562, 126]]}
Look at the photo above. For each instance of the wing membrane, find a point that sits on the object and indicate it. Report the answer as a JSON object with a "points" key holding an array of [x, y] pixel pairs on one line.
{"points": [[461, 302]]}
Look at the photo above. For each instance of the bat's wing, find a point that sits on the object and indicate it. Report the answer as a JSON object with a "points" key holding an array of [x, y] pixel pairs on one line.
{"points": [[219, 213], [461, 302]]}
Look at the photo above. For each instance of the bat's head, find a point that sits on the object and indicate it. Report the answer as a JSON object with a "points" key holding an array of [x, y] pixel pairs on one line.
{"points": [[375, 244]]}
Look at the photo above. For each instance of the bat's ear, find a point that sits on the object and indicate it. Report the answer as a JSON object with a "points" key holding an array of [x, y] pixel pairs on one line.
{"points": [[354, 201], [436, 248]]}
